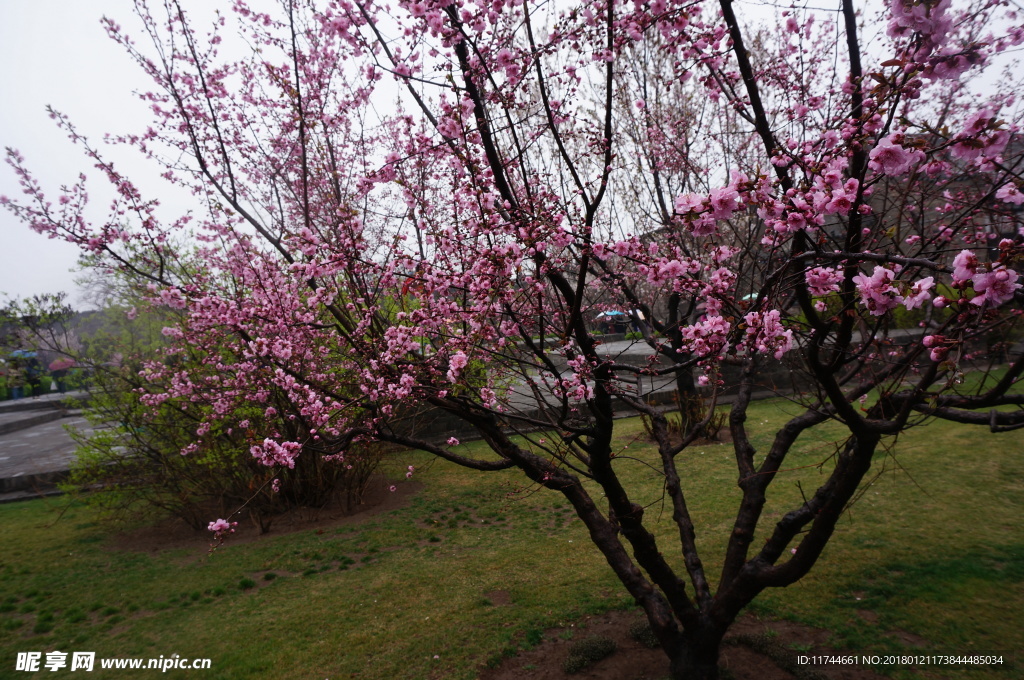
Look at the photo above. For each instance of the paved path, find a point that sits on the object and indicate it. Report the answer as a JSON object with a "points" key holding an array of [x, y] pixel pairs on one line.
{"points": [[39, 449], [35, 449]]}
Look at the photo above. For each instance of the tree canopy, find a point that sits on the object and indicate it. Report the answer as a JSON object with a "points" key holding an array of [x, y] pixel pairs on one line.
{"points": [[428, 204]]}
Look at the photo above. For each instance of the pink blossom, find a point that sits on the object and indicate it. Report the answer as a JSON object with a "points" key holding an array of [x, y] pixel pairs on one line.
{"points": [[823, 280], [795, 221], [271, 453], [219, 525], [927, 19], [671, 269], [452, 441], [936, 344], [686, 203], [458, 362], [1010, 193], [488, 397], [724, 202], [765, 333], [841, 203], [964, 266], [889, 158], [703, 225], [967, 149], [877, 292], [172, 298], [995, 287], [706, 337], [919, 293], [949, 63], [979, 122]]}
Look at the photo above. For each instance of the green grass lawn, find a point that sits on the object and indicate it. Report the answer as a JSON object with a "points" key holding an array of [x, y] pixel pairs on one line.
{"points": [[932, 551]]}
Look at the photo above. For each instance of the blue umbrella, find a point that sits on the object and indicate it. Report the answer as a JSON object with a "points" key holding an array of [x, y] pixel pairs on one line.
{"points": [[22, 354]]}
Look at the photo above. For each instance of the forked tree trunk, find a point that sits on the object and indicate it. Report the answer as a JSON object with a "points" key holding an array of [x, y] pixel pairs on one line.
{"points": [[697, 657]]}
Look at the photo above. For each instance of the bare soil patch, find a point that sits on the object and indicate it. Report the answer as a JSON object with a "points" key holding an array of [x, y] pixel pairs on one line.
{"points": [[755, 649]]}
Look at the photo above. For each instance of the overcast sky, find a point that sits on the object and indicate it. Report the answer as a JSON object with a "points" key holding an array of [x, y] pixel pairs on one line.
{"points": [[54, 52]]}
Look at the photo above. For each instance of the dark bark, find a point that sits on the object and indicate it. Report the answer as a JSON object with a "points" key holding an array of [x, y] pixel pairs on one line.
{"points": [[697, 656]]}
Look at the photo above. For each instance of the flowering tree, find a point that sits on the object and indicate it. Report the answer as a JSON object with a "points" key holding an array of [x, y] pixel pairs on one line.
{"points": [[427, 204]]}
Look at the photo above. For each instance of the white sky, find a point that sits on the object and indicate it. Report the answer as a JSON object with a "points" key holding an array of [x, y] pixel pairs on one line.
{"points": [[55, 52]]}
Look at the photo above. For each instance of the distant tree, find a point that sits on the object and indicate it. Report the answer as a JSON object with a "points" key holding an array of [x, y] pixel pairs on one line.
{"points": [[427, 205], [37, 320]]}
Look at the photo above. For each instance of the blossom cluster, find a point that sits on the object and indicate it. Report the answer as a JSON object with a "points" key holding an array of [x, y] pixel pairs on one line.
{"points": [[993, 285], [881, 292]]}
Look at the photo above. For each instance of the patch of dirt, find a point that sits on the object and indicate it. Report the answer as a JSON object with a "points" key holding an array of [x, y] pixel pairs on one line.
{"points": [[753, 650], [868, 615], [724, 436], [499, 598], [908, 639], [459, 517], [173, 533]]}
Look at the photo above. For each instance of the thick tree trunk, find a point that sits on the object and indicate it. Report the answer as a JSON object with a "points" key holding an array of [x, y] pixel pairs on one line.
{"points": [[685, 385], [697, 657]]}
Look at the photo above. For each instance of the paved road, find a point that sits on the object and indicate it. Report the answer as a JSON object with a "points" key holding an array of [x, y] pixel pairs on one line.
{"points": [[35, 448], [40, 449]]}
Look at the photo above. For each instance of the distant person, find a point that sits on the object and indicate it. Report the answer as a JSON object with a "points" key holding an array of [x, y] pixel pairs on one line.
{"points": [[34, 375], [16, 379], [59, 372]]}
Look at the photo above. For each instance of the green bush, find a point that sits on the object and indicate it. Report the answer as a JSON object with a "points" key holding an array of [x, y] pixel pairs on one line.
{"points": [[42, 388], [642, 633], [131, 463], [691, 410], [901, 316], [586, 652]]}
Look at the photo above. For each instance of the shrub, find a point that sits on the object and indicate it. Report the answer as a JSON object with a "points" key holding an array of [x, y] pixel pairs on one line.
{"points": [[641, 632], [132, 462], [586, 652], [691, 410]]}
